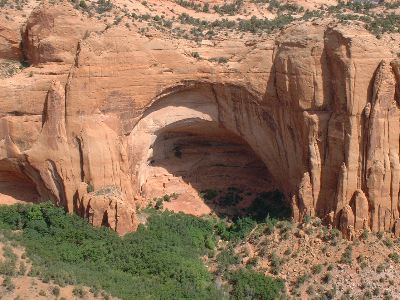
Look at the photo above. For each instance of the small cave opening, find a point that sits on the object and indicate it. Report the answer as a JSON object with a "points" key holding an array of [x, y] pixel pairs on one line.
{"points": [[15, 186], [202, 168]]}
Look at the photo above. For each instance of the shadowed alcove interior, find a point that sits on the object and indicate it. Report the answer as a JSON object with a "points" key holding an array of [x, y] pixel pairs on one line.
{"points": [[15, 186], [183, 148]]}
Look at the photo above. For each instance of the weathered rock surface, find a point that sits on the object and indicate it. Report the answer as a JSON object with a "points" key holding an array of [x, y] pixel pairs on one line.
{"points": [[52, 33], [108, 207], [9, 43], [319, 106]]}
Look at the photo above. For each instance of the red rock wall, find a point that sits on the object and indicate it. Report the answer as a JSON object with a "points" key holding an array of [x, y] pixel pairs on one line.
{"points": [[319, 105]]}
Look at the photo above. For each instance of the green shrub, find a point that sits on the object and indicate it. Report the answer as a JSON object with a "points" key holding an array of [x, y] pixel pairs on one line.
{"points": [[362, 261], [103, 6], [310, 290], [196, 55], [301, 280], [78, 292], [189, 4], [367, 295], [287, 252], [82, 4], [269, 204], [8, 284], [327, 278], [240, 228], [276, 263], [395, 257], [220, 60], [306, 219], [347, 256], [381, 267], [90, 188], [252, 262], [232, 196], [308, 15], [387, 295], [22, 268], [364, 235], [384, 23], [270, 224], [388, 242], [285, 228], [332, 236], [209, 195], [55, 291], [265, 25], [330, 294], [159, 202], [316, 269], [376, 291], [229, 8], [247, 284], [160, 260], [8, 265], [3, 3], [227, 258]]}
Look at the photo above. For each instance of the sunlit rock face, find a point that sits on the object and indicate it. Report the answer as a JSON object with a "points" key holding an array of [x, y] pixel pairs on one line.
{"points": [[114, 119]]}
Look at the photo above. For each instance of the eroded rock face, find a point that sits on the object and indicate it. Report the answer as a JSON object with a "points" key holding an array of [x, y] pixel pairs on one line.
{"points": [[9, 43], [318, 106], [109, 207], [52, 33]]}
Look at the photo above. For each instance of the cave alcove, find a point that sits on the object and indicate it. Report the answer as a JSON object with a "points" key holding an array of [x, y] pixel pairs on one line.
{"points": [[209, 170], [208, 147], [15, 186]]}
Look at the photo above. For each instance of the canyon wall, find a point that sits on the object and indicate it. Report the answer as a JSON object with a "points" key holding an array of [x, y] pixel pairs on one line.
{"points": [[318, 104]]}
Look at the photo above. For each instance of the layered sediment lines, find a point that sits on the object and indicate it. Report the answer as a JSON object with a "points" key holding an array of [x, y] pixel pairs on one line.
{"points": [[318, 106]]}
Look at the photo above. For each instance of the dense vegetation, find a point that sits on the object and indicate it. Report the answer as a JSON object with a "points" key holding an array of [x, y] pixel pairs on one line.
{"points": [[229, 8], [377, 22], [377, 17], [264, 204], [252, 285], [159, 261]]}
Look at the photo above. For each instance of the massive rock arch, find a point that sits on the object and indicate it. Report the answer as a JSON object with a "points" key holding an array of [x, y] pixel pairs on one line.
{"points": [[318, 104], [200, 112]]}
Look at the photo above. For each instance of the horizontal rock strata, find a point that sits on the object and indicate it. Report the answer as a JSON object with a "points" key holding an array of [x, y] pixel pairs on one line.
{"points": [[319, 106]]}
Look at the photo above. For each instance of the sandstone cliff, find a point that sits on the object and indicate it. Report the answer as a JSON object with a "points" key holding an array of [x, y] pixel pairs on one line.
{"points": [[318, 104]]}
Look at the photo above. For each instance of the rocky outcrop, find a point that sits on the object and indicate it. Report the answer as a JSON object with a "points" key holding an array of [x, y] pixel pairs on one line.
{"points": [[360, 207], [9, 43], [108, 207], [319, 106], [62, 166], [351, 145], [52, 33]]}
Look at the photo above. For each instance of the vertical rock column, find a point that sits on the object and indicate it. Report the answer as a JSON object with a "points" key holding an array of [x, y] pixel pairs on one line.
{"points": [[382, 160], [50, 155]]}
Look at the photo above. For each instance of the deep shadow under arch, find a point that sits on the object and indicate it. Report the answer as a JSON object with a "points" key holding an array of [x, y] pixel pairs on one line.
{"points": [[15, 186], [194, 142]]}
